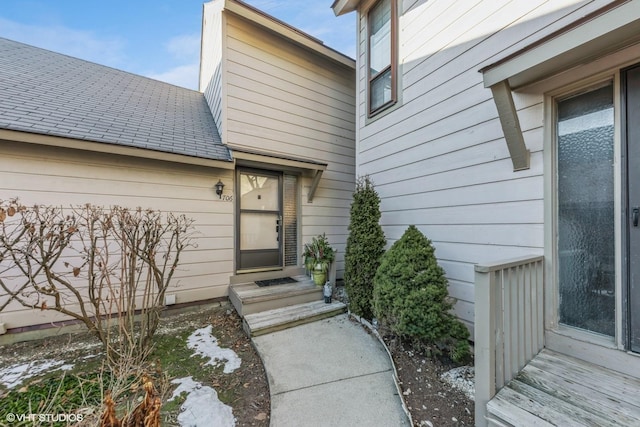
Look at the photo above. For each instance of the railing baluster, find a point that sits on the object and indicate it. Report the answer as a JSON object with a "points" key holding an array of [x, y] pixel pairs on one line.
{"points": [[501, 327]]}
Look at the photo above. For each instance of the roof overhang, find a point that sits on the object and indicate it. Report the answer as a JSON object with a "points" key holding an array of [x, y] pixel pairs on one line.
{"points": [[595, 35], [287, 31], [101, 147], [340, 7], [306, 167], [604, 31]]}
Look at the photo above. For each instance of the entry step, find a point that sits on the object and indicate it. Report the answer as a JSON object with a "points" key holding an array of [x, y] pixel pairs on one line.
{"points": [[287, 317]]}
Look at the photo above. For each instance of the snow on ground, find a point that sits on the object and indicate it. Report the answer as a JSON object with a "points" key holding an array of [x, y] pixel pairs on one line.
{"points": [[206, 345], [14, 375], [202, 408]]}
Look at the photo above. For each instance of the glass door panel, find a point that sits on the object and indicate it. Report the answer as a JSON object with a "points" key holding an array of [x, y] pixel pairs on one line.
{"points": [[586, 251], [260, 217], [255, 233]]}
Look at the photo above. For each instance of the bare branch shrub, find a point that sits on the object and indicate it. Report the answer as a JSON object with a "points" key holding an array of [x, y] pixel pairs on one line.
{"points": [[106, 267]]}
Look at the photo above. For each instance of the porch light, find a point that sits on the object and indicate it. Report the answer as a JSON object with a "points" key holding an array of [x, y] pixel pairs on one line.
{"points": [[219, 187]]}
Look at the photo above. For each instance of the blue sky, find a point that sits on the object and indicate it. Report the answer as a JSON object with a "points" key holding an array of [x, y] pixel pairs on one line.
{"points": [[158, 39]]}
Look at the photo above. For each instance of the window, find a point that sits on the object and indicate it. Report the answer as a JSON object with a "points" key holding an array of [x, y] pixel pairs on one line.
{"points": [[382, 56]]}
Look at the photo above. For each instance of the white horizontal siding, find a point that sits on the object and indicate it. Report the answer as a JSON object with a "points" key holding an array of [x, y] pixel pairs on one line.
{"points": [[55, 176], [439, 159], [286, 100]]}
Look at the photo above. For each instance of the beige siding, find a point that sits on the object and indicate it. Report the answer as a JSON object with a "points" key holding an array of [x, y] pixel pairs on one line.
{"points": [[286, 100], [41, 175], [439, 159]]}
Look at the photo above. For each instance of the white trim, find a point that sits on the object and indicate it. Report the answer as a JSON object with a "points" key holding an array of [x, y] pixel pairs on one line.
{"points": [[551, 287], [617, 208], [601, 35]]}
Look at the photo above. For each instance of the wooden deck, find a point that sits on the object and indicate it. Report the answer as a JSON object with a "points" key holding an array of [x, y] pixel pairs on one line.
{"points": [[557, 390]]}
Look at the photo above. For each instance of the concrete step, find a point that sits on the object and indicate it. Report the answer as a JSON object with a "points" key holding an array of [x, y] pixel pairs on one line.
{"points": [[287, 317], [249, 298]]}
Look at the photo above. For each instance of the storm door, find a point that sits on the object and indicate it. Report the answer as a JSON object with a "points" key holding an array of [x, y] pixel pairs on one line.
{"points": [[585, 210], [631, 99], [259, 219]]}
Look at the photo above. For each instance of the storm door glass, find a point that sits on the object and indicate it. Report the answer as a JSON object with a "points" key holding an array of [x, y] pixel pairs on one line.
{"points": [[259, 221], [586, 254]]}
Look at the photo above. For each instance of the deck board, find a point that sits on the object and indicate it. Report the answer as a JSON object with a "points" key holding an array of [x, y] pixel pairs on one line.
{"points": [[557, 390]]}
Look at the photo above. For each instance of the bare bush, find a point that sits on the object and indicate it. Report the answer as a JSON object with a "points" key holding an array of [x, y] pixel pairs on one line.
{"points": [[106, 267]]}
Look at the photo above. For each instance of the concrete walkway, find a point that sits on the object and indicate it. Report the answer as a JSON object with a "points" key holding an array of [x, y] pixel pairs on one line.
{"points": [[329, 373]]}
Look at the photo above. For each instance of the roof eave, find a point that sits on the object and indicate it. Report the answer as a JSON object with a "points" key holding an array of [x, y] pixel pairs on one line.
{"points": [[101, 147], [285, 30], [340, 7], [608, 29]]}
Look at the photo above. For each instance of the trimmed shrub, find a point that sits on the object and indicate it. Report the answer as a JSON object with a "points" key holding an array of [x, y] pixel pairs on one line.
{"points": [[365, 246], [410, 297]]}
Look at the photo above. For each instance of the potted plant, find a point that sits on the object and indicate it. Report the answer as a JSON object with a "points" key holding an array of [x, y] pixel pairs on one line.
{"points": [[318, 256]]}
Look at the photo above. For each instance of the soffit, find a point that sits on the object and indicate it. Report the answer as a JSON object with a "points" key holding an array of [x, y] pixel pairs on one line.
{"points": [[340, 7]]}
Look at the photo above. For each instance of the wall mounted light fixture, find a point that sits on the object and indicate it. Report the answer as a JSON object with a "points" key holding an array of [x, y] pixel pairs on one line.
{"points": [[219, 187]]}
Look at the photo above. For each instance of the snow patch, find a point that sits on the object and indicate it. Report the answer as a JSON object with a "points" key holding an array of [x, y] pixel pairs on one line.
{"points": [[202, 408], [206, 345], [14, 375]]}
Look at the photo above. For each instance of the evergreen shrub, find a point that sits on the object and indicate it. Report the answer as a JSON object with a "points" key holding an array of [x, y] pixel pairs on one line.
{"points": [[365, 246], [410, 297]]}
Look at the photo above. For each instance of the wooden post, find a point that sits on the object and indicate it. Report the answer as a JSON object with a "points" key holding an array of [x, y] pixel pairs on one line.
{"points": [[485, 342]]}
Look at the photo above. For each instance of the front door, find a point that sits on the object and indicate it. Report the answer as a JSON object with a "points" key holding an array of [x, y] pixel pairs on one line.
{"points": [[259, 219], [631, 98]]}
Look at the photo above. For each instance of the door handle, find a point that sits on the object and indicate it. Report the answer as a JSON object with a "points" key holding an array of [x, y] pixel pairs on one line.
{"points": [[634, 215]]}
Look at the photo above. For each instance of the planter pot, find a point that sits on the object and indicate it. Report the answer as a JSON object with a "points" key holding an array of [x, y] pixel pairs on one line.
{"points": [[319, 277], [309, 264]]}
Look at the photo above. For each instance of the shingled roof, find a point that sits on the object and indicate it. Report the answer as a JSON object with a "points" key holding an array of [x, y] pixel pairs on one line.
{"points": [[49, 93]]}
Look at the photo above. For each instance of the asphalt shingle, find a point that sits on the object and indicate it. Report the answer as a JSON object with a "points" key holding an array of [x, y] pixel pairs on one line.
{"points": [[50, 93]]}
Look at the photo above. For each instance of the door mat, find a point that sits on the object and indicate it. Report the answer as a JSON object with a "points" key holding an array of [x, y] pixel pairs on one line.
{"points": [[279, 281]]}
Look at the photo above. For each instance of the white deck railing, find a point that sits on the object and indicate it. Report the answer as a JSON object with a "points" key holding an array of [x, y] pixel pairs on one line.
{"points": [[509, 323]]}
